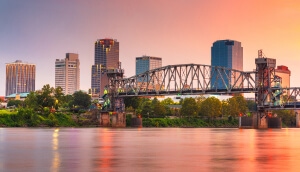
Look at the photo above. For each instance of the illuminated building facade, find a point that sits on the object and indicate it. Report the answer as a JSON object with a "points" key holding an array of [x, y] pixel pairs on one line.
{"points": [[67, 73], [20, 77], [106, 57], [228, 54]]}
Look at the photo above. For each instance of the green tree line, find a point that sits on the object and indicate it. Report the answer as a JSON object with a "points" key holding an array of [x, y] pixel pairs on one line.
{"points": [[210, 107]]}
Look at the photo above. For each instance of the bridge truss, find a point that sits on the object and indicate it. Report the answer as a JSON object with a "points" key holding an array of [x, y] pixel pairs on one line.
{"points": [[197, 79], [185, 79]]}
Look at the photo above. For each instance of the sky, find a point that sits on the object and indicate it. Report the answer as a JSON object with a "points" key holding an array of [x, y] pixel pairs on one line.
{"points": [[179, 31]]}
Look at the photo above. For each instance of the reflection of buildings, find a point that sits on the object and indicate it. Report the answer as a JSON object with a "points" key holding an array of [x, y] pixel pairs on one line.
{"points": [[146, 63], [106, 57], [67, 73], [228, 54], [20, 77]]}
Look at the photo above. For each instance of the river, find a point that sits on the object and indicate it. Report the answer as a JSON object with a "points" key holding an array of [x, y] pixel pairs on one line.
{"points": [[149, 149]]}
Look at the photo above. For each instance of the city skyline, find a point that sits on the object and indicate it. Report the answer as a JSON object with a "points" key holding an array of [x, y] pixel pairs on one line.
{"points": [[39, 32]]}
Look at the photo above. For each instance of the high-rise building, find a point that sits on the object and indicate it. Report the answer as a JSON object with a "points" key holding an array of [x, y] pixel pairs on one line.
{"points": [[146, 63], [106, 57], [284, 73], [20, 77], [67, 73], [228, 54]]}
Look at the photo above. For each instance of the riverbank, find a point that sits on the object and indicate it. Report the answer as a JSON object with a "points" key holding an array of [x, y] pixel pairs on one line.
{"points": [[29, 118]]}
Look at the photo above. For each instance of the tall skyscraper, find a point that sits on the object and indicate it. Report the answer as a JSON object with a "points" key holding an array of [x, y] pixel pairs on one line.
{"points": [[226, 53], [67, 73], [20, 77], [106, 57], [146, 63]]}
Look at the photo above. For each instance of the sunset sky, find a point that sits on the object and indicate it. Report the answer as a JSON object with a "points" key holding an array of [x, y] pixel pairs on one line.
{"points": [[179, 31]]}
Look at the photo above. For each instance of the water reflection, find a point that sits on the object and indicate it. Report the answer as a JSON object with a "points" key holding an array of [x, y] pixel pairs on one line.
{"points": [[149, 149], [56, 155], [105, 150]]}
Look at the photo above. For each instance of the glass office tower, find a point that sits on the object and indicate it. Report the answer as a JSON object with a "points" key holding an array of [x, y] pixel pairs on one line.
{"points": [[145, 63], [228, 54]]}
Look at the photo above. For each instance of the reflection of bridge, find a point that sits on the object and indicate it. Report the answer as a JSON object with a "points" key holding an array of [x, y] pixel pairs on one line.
{"points": [[204, 79]]}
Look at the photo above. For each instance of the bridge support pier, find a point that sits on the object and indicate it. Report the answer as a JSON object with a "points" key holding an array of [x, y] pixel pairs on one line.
{"points": [[260, 120], [112, 119], [118, 120], [104, 119], [137, 122]]}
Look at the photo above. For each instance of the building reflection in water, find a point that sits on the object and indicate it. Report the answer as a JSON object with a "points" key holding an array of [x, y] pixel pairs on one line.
{"points": [[56, 155]]}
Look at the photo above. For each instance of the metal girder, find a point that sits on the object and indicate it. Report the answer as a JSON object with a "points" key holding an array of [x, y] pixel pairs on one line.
{"points": [[186, 79], [289, 98]]}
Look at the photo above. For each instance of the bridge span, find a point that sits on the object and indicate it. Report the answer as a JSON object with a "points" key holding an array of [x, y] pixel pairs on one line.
{"points": [[197, 79]]}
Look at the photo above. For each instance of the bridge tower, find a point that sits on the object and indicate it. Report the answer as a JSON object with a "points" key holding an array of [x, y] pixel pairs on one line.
{"points": [[113, 111], [265, 79], [117, 104]]}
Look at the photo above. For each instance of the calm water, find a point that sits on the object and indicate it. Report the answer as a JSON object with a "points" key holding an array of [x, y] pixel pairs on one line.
{"points": [[149, 149]]}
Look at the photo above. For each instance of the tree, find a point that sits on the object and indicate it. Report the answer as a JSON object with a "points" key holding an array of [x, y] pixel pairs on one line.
{"points": [[237, 105], [31, 101], [251, 105], [146, 108], [157, 108], [287, 117], [59, 97], [199, 101], [167, 101], [45, 98], [15, 103], [81, 99], [67, 101], [234, 110], [189, 107], [133, 102], [242, 104], [225, 108], [211, 107]]}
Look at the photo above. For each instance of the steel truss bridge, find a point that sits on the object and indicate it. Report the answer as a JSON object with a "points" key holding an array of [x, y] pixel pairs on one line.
{"points": [[197, 79]]}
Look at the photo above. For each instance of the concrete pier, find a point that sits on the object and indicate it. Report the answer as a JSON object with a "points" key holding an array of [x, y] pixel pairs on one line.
{"points": [[297, 118], [137, 122], [104, 119], [112, 119], [259, 121], [118, 120]]}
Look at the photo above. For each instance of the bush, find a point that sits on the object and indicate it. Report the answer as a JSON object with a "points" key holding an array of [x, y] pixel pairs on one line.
{"points": [[51, 121], [187, 122]]}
